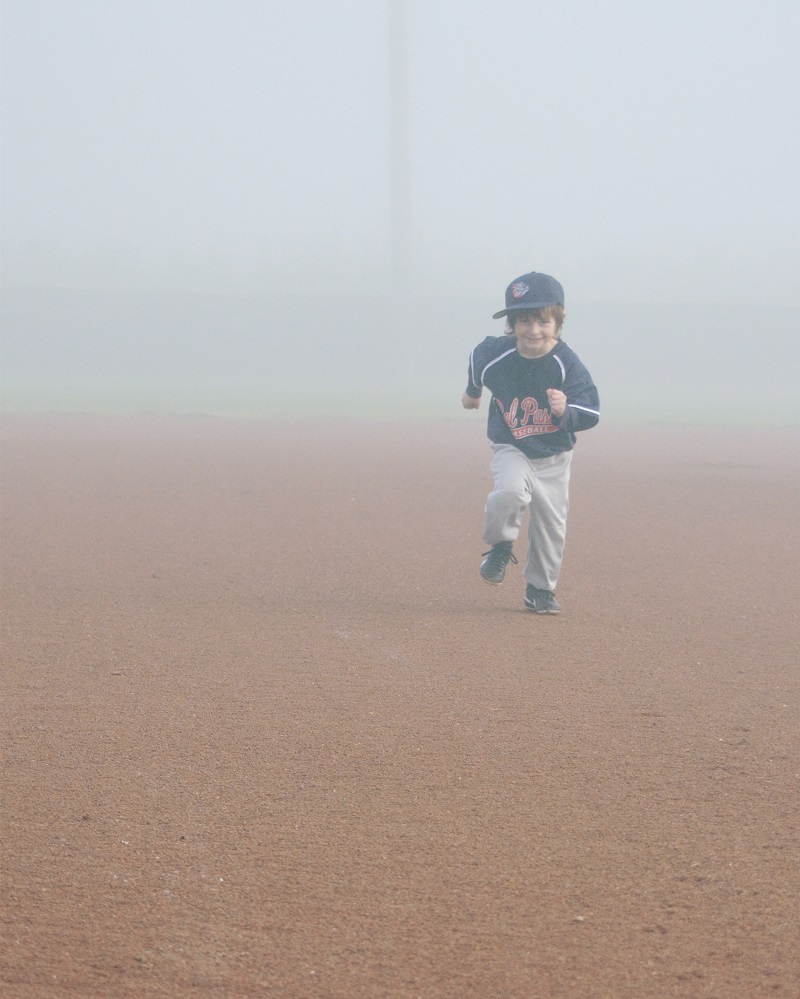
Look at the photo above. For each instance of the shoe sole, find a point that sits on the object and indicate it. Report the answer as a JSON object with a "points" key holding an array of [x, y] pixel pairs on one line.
{"points": [[492, 582]]}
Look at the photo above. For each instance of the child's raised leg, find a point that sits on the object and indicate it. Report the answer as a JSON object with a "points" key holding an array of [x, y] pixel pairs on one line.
{"points": [[508, 501]]}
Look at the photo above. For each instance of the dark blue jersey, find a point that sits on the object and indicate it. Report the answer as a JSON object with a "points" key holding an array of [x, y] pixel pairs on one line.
{"points": [[519, 412]]}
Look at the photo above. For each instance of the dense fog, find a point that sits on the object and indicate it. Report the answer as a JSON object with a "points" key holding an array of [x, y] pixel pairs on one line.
{"points": [[290, 208]]}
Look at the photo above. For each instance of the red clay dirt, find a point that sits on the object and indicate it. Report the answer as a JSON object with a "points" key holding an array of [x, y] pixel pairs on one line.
{"points": [[267, 732]]}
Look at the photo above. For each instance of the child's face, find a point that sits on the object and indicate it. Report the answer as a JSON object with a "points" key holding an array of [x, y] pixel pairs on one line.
{"points": [[535, 336]]}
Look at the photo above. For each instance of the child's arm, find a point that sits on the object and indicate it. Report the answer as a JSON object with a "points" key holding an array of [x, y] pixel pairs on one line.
{"points": [[575, 406], [471, 399], [492, 349]]}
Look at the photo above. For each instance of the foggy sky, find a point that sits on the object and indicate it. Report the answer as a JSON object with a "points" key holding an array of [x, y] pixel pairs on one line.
{"points": [[638, 151]]}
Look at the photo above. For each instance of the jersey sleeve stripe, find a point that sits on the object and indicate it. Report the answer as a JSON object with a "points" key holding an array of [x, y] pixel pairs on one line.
{"points": [[585, 409], [472, 377], [500, 358]]}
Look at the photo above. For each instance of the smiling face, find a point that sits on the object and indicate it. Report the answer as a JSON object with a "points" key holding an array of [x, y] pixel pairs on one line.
{"points": [[535, 331]]}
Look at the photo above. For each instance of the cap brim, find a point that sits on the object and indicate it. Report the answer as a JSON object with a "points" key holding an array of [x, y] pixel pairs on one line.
{"points": [[527, 307]]}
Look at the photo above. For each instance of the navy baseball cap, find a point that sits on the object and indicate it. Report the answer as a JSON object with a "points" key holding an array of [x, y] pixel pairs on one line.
{"points": [[531, 291]]}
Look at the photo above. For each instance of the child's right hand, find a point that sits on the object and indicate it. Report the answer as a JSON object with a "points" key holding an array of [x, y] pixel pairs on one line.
{"points": [[469, 403]]}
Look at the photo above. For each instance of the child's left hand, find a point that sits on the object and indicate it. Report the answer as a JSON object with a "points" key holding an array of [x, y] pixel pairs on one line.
{"points": [[558, 402]]}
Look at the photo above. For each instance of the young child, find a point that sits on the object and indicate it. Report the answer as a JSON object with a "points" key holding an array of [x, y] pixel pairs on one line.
{"points": [[542, 395]]}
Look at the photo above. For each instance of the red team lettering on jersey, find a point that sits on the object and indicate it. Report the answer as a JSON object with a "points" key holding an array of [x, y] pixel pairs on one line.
{"points": [[532, 420]]}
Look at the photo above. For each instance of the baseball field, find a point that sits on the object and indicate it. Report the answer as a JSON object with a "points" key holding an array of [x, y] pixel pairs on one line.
{"points": [[266, 732]]}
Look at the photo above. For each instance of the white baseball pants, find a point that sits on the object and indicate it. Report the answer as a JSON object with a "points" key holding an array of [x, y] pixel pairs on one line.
{"points": [[541, 484]]}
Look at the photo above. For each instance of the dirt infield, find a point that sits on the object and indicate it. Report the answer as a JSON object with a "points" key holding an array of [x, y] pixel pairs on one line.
{"points": [[267, 733]]}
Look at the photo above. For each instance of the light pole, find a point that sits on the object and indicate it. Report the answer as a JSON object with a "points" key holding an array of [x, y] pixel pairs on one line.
{"points": [[400, 258]]}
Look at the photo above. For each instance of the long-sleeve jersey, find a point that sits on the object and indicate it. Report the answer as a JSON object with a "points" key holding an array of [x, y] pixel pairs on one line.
{"points": [[519, 412]]}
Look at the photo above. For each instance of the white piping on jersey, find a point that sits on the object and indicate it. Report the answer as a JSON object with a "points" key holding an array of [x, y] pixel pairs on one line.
{"points": [[585, 409], [563, 369], [500, 358]]}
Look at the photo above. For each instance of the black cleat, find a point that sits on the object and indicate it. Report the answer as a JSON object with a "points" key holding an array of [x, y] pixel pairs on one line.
{"points": [[541, 601], [493, 567]]}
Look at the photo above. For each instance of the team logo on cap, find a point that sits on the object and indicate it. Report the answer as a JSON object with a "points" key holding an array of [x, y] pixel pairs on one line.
{"points": [[519, 289]]}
